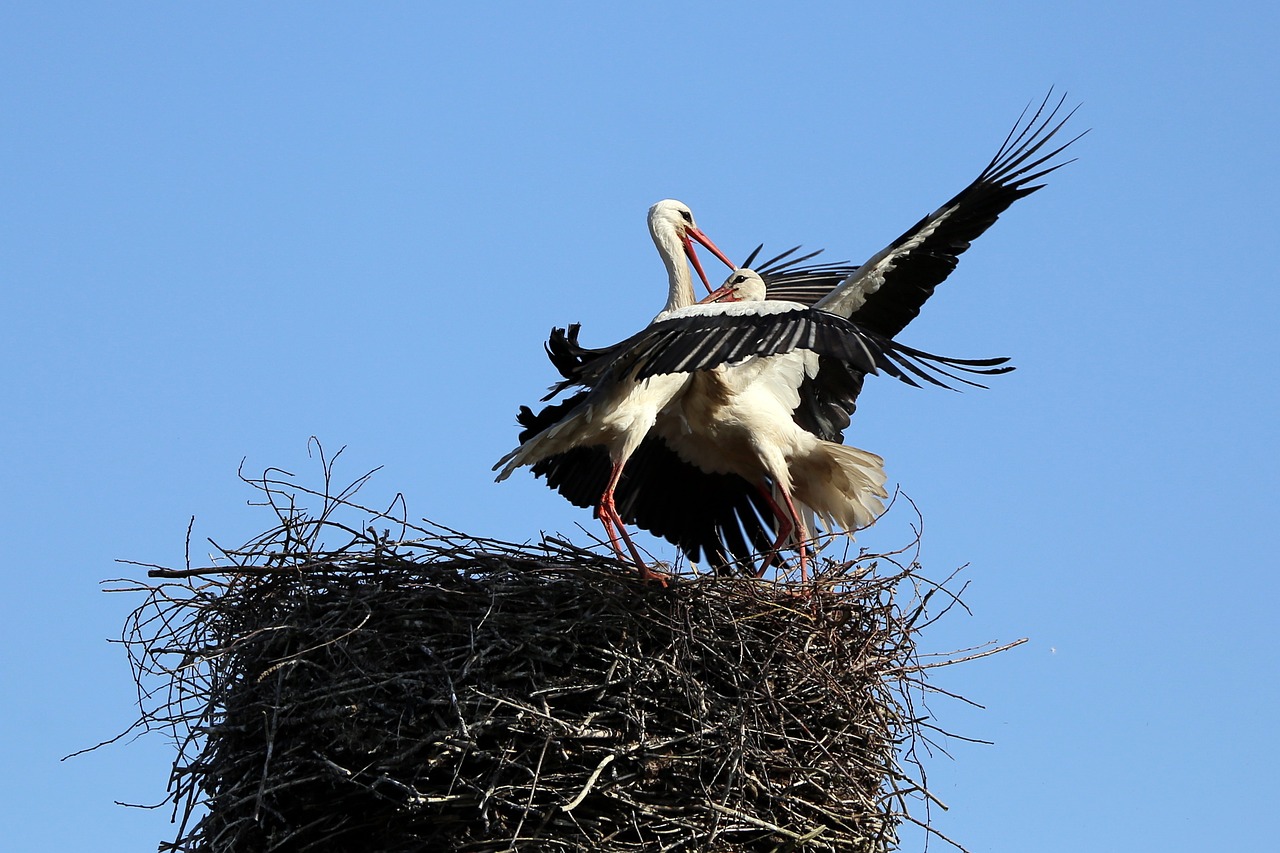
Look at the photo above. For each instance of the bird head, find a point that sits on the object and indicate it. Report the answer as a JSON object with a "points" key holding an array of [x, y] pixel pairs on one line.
{"points": [[670, 219], [742, 285]]}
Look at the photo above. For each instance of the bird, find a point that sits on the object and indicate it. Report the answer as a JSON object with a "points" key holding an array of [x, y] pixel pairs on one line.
{"points": [[617, 414], [721, 516], [736, 419], [745, 359]]}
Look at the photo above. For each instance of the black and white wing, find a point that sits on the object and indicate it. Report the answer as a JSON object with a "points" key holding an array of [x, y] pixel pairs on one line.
{"points": [[703, 337], [886, 292], [720, 517], [784, 277]]}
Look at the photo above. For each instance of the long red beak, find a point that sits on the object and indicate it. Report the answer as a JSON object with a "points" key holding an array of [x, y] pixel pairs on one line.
{"points": [[725, 293], [696, 234]]}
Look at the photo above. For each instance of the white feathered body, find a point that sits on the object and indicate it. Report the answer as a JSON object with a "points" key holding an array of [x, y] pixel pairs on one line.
{"points": [[617, 416], [737, 419]]}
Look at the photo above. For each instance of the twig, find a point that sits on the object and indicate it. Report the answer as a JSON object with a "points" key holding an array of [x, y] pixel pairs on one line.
{"points": [[591, 781]]}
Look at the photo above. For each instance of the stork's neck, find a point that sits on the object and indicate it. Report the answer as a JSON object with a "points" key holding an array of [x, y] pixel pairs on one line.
{"points": [[679, 278]]}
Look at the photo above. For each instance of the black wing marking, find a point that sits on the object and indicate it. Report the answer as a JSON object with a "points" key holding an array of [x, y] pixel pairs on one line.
{"points": [[721, 517], [785, 280], [829, 399], [704, 341], [887, 292], [714, 518]]}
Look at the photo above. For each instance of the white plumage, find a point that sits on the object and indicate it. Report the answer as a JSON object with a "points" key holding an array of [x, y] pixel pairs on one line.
{"points": [[738, 418], [619, 413], [771, 387]]}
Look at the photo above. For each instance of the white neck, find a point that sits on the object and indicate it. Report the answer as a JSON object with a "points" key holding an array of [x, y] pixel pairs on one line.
{"points": [[679, 278]]}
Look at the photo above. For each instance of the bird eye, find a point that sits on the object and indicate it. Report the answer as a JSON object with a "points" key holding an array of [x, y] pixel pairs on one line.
{"points": [[739, 279], [687, 216]]}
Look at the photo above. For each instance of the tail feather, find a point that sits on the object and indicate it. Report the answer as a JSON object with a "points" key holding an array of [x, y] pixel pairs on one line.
{"points": [[843, 486]]}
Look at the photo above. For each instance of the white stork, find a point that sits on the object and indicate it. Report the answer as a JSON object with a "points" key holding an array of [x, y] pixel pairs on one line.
{"points": [[740, 362], [617, 415], [737, 418], [720, 514]]}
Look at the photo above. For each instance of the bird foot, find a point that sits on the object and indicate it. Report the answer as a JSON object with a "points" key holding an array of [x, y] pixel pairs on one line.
{"points": [[648, 574]]}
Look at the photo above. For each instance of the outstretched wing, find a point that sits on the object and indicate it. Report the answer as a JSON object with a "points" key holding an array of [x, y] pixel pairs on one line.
{"points": [[785, 279], [722, 518], [886, 293], [706, 336]]}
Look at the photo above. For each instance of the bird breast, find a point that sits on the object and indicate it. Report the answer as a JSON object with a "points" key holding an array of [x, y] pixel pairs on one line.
{"points": [[736, 419]]}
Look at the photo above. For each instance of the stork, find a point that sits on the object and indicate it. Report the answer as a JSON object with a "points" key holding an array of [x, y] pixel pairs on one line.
{"points": [[618, 414], [743, 360], [736, 418], [721, 514]]}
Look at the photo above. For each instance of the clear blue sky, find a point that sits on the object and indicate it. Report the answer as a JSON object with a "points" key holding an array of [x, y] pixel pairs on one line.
{"points": [[226, 228]]}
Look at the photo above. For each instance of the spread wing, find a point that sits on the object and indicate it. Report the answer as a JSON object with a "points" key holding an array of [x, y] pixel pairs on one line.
{"points": [[720, 517], [706, 336], [887, 291]]}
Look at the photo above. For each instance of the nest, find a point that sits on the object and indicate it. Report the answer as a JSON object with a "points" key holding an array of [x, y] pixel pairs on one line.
{"points": [[425, 690]]}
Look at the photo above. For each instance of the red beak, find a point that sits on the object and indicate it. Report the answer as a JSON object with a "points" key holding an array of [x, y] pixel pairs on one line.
{"points": [[725, 293], [711, 247]]}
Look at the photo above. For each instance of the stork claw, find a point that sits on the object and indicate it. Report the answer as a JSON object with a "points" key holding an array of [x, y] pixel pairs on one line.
{"points": [[648, 574]]}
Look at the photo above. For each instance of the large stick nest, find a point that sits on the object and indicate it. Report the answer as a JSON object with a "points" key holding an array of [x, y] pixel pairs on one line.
{"points": [[432, 691]]}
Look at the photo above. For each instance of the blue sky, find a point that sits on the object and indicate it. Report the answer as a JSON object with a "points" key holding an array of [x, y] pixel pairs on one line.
{"points": [[227, 228]]}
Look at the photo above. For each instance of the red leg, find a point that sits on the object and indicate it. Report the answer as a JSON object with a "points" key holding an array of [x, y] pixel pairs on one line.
{"points": [[607, 520], [611, 520], [802, 537], [786, 527]]}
